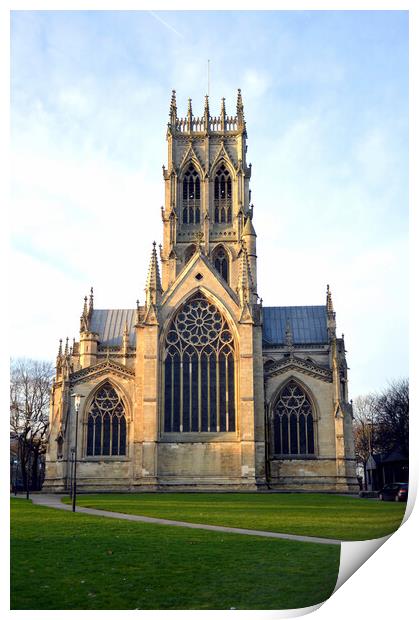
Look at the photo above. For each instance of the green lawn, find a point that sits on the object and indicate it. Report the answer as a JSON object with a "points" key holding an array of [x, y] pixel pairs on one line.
{"points": [[62, 560], [329, 516]]}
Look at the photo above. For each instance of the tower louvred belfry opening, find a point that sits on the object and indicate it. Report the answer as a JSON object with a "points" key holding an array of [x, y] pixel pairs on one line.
{"points": [[198, 386]]}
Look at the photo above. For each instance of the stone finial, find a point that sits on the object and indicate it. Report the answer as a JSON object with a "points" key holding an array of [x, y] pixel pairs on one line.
{"points": [[125, 338], [66, 347], [223, 114], [206, 114], [84, 319], [190, 115], [198, 238], [331, 315], [153, 285], [90, 302], [173, 109], [240, 109], [329, 302], [60, 348], [245, 284]]}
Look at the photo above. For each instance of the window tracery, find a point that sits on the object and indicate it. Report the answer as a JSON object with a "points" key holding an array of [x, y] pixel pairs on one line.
{"points": [[222, 196], [199, 371], [220, 259], [191, 197], [293, 423], [106, 424]]}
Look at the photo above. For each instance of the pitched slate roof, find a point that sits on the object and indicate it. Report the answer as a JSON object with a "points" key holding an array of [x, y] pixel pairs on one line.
{"points": [[110, 324], [308, 324]]}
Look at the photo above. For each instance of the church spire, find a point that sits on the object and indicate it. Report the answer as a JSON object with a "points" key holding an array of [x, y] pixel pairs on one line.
{"points": [[153, 288]]}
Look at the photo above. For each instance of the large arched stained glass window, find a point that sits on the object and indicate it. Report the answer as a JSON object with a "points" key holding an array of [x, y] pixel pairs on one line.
{"points": [[222, 196], [106, 424], [199, 371], [293, 426], [191, 197]]}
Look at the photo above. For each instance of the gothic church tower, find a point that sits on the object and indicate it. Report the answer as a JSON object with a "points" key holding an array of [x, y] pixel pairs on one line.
{"points": [[207, 196]]}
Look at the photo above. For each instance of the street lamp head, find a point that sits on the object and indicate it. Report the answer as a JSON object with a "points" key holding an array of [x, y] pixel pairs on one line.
{"points": [[77, 400]]}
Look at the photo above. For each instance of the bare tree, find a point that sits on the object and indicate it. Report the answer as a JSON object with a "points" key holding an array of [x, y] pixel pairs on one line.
{"points": [[381, 422], [366, 429], [392, 407], [30, 384]]}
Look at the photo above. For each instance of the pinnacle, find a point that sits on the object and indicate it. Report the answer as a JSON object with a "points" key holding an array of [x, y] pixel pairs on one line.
{"points": [[153, 277], [329, 302], [245, 281], [249, 228]]}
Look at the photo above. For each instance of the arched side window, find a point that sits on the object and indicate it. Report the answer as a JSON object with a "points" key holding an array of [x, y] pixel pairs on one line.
{"points": [[191, 197], [199, 371], [293, 422], [106, 424], [220, 259], [222, 196]]}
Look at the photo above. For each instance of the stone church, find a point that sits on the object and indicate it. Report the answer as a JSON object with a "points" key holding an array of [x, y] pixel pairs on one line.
{"points": [[202, 387]]}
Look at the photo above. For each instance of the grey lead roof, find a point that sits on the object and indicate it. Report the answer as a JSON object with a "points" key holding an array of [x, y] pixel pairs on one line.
{"points": [[308, 324], [110, 324]]}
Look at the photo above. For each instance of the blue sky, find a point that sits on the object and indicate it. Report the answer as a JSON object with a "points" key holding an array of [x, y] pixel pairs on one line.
{"points": [[326, 105]]}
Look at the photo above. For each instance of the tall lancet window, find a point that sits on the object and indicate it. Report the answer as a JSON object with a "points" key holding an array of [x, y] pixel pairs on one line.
{"points": [[191, 197], [222, 196], [106, 424], [293, 425], [220, 259], [199, 371]]}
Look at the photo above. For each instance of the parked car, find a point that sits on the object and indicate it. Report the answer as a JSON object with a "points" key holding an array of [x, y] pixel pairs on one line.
{"points": [[397, 491]]}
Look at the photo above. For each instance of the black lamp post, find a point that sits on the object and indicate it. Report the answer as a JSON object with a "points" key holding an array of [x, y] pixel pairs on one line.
{"points": [[71, 472], [77, 400]]}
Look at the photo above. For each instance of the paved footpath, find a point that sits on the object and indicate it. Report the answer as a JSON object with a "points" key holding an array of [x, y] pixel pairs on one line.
{"points": [[54, 501]]}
